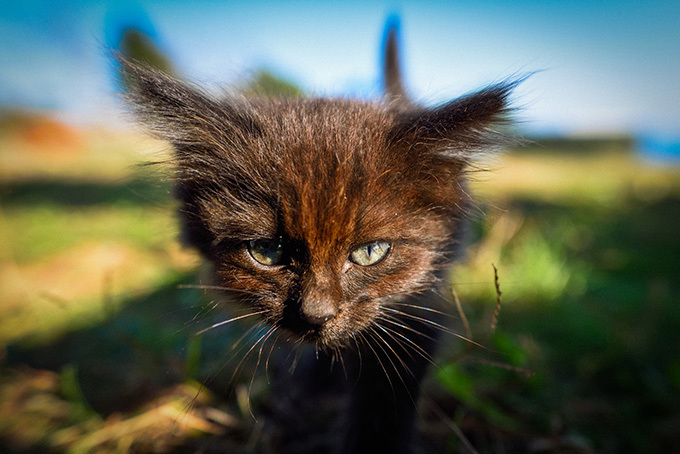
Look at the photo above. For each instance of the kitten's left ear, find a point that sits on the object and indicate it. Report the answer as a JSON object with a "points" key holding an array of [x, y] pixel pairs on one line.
{"points": [[462, 127], [181, 113]]}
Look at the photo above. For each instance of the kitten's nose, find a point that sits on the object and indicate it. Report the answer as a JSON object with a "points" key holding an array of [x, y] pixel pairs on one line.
{"points": [[317, 314]]}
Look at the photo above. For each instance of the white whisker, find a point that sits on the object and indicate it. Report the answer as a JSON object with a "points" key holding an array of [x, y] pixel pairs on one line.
{"points": [[377, 357], [266, 363], [262, 341], [218, 287], [408, 343], [224, 322], [435, 324], [387, 355], [423, 308], [395, 321]]}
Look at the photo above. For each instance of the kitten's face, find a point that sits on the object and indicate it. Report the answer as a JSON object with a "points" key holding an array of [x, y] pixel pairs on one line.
{"points": [[328, 221], [319, 213]]}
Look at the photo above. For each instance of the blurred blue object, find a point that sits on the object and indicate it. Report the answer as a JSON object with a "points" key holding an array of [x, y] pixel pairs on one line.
{"points": [[663, 148]]}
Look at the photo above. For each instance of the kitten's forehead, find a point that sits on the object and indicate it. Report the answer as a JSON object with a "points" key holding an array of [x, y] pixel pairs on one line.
{"points": [[334, 169], [327, 174], [324, 125]]}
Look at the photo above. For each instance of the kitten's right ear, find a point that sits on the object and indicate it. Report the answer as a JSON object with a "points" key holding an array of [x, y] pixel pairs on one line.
{"points": [[461, 128], [181, 113]]}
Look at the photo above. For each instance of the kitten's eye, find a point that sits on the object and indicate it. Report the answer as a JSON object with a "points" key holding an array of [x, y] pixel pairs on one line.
{"points": [[266, 252], [370, 254]]}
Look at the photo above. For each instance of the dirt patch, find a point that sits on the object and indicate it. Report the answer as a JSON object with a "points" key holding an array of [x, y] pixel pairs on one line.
{"points": [[42, 133], [86, 279]]}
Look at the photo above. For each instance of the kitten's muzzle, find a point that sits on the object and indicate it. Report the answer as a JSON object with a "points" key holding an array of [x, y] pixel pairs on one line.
{"points": [[318, 313], [319, 297]]}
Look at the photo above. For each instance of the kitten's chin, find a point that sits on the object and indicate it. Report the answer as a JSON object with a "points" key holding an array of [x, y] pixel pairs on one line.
{"points": [[327, 336], [321, 336]]}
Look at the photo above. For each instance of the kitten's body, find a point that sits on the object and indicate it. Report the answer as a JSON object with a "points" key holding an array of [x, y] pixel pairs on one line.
{"points": [[334, 220]]}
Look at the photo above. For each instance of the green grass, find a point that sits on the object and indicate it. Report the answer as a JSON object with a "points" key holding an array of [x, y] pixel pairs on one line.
{"points": [[590, 304], [44, 231], [585, 355]]}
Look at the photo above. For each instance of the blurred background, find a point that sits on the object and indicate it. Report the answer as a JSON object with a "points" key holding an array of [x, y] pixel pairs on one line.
{"points": [[99, 323]]}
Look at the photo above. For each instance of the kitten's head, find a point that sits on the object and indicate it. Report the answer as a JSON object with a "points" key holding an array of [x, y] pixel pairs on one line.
{"points": [[319, 212]]}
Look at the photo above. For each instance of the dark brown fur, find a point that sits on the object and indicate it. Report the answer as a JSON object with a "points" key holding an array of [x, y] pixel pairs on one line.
{"points": [[323, 177]]}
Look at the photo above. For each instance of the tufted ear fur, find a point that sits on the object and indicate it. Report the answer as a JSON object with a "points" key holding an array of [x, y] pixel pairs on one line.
{"points": [[459, 129], [193, 122], [210, 140]]}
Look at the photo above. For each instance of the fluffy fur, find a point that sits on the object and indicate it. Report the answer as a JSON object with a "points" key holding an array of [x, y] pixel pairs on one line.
{"points": [[319, 178]]}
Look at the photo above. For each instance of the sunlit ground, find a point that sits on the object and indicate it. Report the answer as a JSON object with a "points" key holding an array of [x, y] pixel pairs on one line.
{"points": [[100, 352]]}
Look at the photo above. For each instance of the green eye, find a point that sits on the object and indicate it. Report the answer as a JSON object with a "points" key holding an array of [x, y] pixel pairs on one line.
{"points": [[370, 254], [266, 252]]}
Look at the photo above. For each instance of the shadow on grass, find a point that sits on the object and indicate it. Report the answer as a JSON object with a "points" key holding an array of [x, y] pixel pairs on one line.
{"points": [[139, 191], [150, 343], [135, 379], [124, 358]]}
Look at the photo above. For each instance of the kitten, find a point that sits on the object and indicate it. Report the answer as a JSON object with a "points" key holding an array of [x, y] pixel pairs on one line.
{"points": [[334, 220]]}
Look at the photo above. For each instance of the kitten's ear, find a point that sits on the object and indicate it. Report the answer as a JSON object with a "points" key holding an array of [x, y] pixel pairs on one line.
{"points": [[181, 113], [462, 127]]}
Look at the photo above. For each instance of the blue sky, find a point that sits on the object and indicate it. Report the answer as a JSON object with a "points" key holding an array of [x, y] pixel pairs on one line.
{"points": [[604, 66]]}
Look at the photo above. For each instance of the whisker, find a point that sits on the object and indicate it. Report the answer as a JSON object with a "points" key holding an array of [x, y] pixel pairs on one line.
{"points": [[361, 361], [234, 355], [296, 357], [187, 409], [390, 332], [435, 324], [499, 365], [395, 321], [396, 369], [396, 355], [215, 373], [424, 308], [184, 309], [452, 425], [224, 322], [341, 359], [458, 284], [387, 355], [248, 332], [382, 366], [199, 316], [410, 343], [217, 287], [266, 363], [262, 341]]}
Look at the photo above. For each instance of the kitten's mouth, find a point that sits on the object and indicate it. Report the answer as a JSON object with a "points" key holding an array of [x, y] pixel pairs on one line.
{"points": [[317, 331], [302, 329]]}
